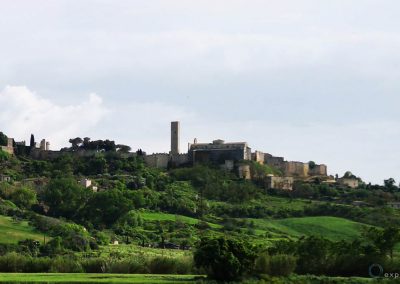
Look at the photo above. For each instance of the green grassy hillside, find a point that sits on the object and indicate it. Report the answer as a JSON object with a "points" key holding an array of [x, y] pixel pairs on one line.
{"points": [[158, 216], [13, 231], [332, 228]]}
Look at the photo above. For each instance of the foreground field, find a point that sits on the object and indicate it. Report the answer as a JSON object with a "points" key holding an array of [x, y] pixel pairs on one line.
{"points": [[141, 278], [93, 278], [13, 231]]}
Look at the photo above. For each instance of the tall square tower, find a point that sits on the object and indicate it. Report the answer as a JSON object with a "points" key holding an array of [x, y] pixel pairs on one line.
{"points": [[174, 137]]}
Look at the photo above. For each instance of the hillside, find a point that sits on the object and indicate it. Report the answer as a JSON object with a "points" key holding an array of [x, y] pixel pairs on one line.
{"points": [[332, 228], [111, 213], [13, 231]]}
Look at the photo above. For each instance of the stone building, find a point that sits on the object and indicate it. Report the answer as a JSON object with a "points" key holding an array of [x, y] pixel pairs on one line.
{"points": [[349, 182], [10, 146], [5, 178], [174, 157], [218, 152], [258, 157], [291, 168], [297, 169], [276, 162], [175, 136], [283, 183], [318, 170], [244, 172]]}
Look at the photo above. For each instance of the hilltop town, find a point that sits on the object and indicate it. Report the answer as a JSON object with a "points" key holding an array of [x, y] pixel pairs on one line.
{"points": [[231, 156]]}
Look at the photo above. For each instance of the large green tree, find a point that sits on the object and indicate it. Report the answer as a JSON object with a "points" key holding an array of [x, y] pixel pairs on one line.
{"points": [[225, 259], [65, 197]]}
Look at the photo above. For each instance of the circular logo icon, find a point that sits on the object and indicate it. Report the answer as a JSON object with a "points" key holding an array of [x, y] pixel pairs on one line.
{"points": [[375, 270]]}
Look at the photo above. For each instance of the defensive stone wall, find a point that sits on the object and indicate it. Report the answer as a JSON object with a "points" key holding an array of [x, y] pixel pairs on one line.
{"points": [[258, 157], [158, 160], [297, 169], [276, 162], [319, 170]]}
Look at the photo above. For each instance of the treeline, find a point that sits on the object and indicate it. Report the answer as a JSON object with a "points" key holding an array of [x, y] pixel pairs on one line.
{"points": [[22, 263], [378, 216], [69, 165], [373, 195], [230, 259], [97, 145]]}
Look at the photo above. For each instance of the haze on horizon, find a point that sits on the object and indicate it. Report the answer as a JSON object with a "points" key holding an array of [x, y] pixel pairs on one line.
{"points": [[304, 79]]}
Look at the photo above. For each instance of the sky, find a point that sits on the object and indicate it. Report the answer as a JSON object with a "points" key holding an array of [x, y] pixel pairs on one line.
{"points": [[304, 79]]}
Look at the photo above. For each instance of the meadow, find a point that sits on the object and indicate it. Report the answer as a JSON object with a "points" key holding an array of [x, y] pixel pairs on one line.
{"points": [[158, 216], [332, 228], [12, 231]]}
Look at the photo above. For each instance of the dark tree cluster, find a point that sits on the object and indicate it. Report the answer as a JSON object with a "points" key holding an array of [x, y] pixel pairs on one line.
{"points": [[97, 145]]}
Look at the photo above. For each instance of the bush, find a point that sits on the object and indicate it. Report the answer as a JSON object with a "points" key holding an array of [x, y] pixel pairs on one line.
{"points": [[65, 265], [126, 266], [224, 259], [37, 265], [94, 265], [275, 265], [163, 265], [12, 262]]}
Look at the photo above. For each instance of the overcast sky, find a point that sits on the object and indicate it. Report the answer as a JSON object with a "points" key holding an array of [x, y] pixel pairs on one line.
{"points": [[307, 80]]}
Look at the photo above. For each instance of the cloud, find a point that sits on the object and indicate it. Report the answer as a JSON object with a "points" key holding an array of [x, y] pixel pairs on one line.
{"points": [[23, 112]]}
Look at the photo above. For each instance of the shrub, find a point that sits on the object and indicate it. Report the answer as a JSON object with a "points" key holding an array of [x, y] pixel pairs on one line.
{"points": [[12, 262], [65, 265], [224, 259], [37, 265], [94, 265], [163, 265], [126, 266], [276, 265]]}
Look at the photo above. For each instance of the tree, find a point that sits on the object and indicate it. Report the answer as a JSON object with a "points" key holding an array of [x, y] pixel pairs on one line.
{"points": [[384, 240], [390, 184], [3, 139], [65, 197], [224, 259], [24, 197], [76, 143], [106, 207], [32, 143], [123, 148], [314, 255]]}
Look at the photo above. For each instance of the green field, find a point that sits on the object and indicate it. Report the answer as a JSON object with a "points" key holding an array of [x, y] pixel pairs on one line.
{"points": [[94, 278], [131, 250], [332, 228], [152, 216], [13, 231]]}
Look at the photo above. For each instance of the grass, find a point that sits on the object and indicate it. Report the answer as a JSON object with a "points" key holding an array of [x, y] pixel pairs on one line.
{"points": [[155, 216], [13, 231], [94, 278], [124, 250], [332, 228]]}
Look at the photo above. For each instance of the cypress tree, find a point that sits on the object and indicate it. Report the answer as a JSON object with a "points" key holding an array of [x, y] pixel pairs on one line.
{"points": [[32, 144]]}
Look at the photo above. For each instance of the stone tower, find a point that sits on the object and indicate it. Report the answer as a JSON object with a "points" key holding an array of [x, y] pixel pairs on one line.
{"points": [[43, 145], [174, 137]]}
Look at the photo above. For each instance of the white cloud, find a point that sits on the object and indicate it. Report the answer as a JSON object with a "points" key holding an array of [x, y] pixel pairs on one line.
{"points": [[23, 112]]}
